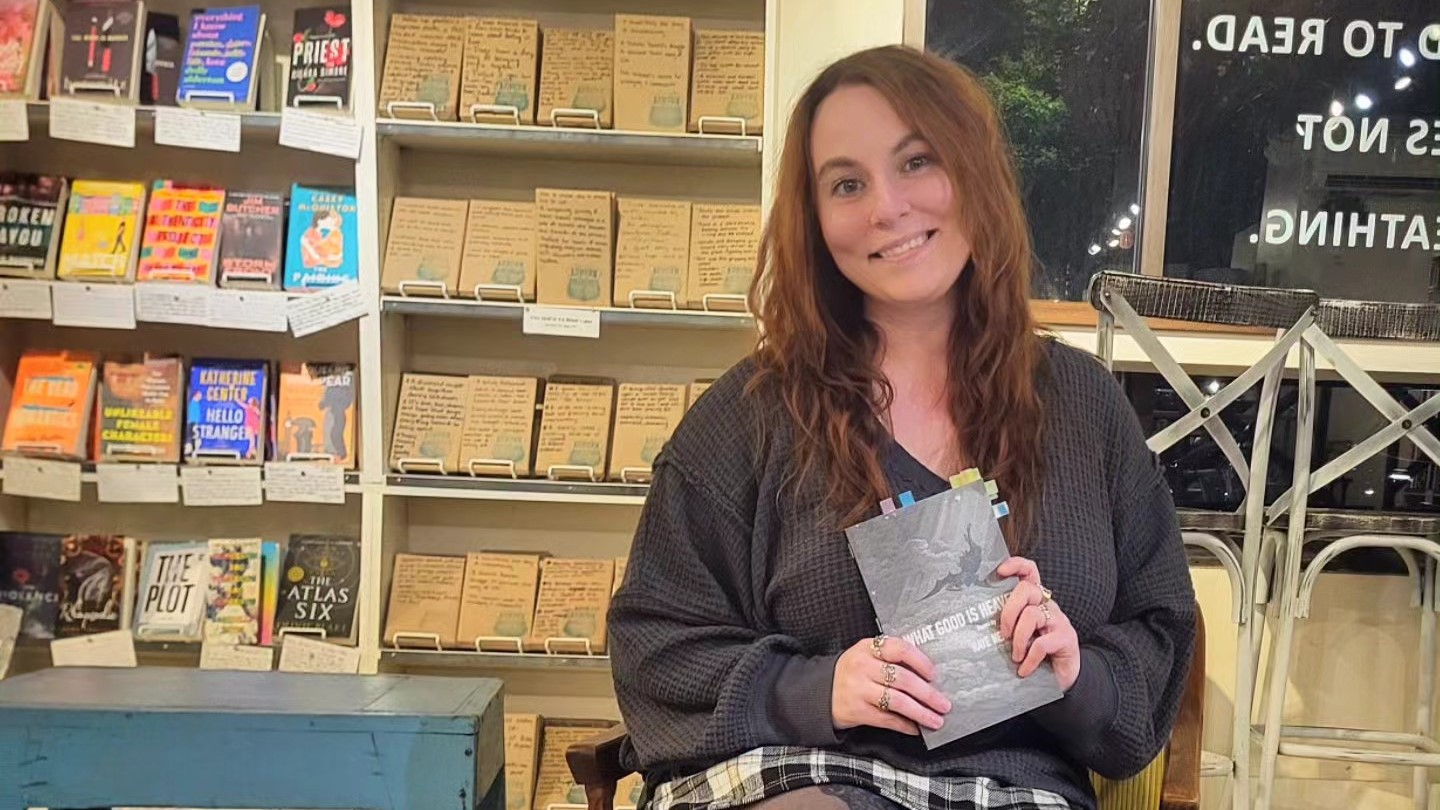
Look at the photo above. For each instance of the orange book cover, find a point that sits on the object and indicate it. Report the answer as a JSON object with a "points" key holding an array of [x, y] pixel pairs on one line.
{"points": [[316, 416], [182, 233], [50, 407]]}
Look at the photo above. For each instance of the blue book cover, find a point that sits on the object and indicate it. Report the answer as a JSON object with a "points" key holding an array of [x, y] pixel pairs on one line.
{"points": [[225, 411], [323, 249], [220, 56]]}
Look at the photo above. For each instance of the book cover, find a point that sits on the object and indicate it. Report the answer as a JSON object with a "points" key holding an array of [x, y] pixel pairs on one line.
{"points": [[425, 245], [232, 601], [320, 57], [21, 43], [269, 590], [102, 48], [429, 423], [323, 249], [225, 411], [92, 584], [30, 580], [102, 231], [139, 416], [160, 73], [422, 67], [220, 56], [50, 408], [320, 586], [252, 238], [930, 570], [30, 207], [182, 233], [502, 57], [316, 417], [425, 594], [173, 581]]}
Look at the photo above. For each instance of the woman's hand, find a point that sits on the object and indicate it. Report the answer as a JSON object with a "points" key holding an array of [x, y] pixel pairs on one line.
{"points": [[886, 671], [1036, 627]]}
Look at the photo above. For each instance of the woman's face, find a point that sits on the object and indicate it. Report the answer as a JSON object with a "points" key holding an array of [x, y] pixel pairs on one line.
{"points": [[886, 206]]}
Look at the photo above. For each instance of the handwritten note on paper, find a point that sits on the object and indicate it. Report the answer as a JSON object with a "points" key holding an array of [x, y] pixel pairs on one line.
{"points": [[304, 482], [575, 429], [319, 131], [652, 72], [499, 420], [222, 486], [319, 311], [426, 242], [187, 304], [25, 298], [113, 649], [300, 654], [197, 129], [99, 306], [425, 597], [729, 77], [9, 631], [105, 123], [577, 72], [501, 56], [240, 657], [573, 253], [255, 310], [14, 120], [422, 63], [137, 483], [429, 420], [42, 478]]}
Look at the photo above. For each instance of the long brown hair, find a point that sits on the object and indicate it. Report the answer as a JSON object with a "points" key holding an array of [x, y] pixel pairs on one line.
{"points": [[818, 350]]}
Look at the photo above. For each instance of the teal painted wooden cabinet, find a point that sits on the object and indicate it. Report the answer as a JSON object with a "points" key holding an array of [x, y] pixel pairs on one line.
{"points": [[170, 737]]}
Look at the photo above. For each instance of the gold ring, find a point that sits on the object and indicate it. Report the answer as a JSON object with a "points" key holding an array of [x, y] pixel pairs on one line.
{"points": [[1045, 611], [889, 670], [877, 646], [1045, 594], [884, 701]]}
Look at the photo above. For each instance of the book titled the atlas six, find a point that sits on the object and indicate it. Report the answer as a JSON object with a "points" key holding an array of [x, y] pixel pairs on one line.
{"points": [[930, 569]]}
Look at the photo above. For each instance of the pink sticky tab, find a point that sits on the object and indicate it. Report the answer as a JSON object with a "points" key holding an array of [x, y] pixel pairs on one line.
{"points": [[887, 506]]}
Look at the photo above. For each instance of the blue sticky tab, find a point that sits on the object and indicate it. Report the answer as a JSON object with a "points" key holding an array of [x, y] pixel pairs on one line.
{"points": [[1001, 509], [907, 499], [887, 506]]}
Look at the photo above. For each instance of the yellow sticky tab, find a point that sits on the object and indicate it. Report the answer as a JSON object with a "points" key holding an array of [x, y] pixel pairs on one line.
{"points": [[964, 478], [992, 489]]}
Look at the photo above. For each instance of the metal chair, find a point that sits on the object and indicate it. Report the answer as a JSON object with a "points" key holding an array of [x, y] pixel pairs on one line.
{"points": [[1127, 299], [1415, 537]]}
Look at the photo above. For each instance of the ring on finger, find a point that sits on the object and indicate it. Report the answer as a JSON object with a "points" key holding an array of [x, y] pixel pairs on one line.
{"points": [[889, 670], [877, 646], [1045, 611], [1045, 595], [884, 702]]}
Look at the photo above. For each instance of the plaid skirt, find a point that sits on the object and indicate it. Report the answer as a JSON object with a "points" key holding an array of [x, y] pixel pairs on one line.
{"points": [[768, 772]]}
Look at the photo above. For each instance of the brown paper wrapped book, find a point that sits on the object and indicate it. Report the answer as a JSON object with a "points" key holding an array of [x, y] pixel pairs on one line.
{"points": [[575, 430], [501, 58], [728, 82], [499, 254], [422, 254], [652, 253], [425, 594], [499, 426], [576, 78], [522, 757], [498, 602], [696, 389], [554, 783], [422, 67], [429, 422], [645, 416], [570, 609], [652, 72], [724, 245], [575, 232]]}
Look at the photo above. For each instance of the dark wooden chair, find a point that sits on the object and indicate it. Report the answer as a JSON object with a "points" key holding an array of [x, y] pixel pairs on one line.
{"points": [[595, 763]]}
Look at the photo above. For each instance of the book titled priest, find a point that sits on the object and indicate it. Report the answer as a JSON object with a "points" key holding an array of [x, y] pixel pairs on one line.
{"points": [[320, 57], [323, 249], [930, 570]]}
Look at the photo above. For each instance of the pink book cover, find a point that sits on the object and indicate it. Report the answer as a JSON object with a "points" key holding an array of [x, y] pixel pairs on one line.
{"points": [[182, 234], [17, 41]]}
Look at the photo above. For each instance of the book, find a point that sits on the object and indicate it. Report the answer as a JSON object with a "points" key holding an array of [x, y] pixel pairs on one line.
{"points": [[171, 599], [30, 580], [425, 594], [497, 604], [252, 239], [222, 52], [429, 423], [323, 249], [102, 50], [315, 420], [50, 409], [232, 600], [502, 56], [574, 439], [182, 234], [320, 586], [225, 411], [160, 71], [101, 237], [426, 240], [30, 206], [269, 590], [139, 410], [499, 426], [23, 28], [570, 607], [930, 570], [92, 584], [320, 57], [422, 67]]}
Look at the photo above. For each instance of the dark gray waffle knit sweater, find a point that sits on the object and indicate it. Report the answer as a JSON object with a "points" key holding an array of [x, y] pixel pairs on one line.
{"points": [[737, 602]]}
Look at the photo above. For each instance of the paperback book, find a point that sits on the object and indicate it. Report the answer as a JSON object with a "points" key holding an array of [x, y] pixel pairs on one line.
{"points": [[221, 55], [102, 48], [182, 234], [316, 418], [23, 28], [252, 238], [160, 74], [324, 249], [30, 206], [101, 236], [225, 412], [171, 603], [30, 580], [139, 417], [320, 57], [92, 584], [319, 586], [232, 602], [50, 408]]}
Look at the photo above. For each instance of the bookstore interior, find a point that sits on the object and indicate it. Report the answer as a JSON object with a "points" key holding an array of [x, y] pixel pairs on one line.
{"points": [[341, 338]]}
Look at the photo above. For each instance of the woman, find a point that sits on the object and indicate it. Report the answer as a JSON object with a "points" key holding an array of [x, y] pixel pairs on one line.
{"points": [[898, 349]]}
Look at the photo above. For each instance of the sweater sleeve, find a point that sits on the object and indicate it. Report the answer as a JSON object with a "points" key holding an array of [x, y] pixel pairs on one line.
{"points": [[695, 680], [1118, 715]]}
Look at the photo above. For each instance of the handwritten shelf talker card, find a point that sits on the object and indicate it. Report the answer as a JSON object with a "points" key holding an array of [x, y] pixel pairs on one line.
{"points": [[220, 58], [323, 249]]}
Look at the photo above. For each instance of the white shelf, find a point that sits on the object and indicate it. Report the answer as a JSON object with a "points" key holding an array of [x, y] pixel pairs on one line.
{"points": [[465, 660], [609, 316], [251, 122], [568, 143], [89, 476], [536, 490]]}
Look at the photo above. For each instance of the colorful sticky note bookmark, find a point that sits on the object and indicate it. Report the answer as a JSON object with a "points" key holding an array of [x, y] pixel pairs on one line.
{"points": [[907, 499], [887, 506], [992, 488], [1001, 509], [964, 478]]}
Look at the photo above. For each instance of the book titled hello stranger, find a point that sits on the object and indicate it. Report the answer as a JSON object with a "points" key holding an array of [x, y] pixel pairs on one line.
{"points": [[929, 567]]}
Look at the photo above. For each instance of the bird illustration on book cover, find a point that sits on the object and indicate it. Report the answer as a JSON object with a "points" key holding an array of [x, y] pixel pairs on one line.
{"points": [[91, 584]]}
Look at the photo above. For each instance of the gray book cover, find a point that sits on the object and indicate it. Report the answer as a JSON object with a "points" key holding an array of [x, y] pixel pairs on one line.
{"points": [[930, 570]]}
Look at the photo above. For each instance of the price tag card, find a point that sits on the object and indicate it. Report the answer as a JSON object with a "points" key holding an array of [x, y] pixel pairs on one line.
{"points": [[322, 310], [255, 310], [14, 120], [137, 483], [561, 322], [304, 482], [104, 122], [222, 486], [25, 298], [312, 131], [301, 654], [173, 303], [113, 649], [42, 478], [219, 655], [102, 306], [197, 129]]}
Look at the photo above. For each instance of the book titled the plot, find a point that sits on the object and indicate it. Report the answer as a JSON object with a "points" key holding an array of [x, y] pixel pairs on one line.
{"points": [[221, 54], [30, 580], [323, 249], [232, 598], [252, 240], [319, 587], [102, 231], [139, 418], [173, 582], [182, 234], [92, 568], [30, 206], [225, 411], [51, 404], [316, 417], [930, 569], [102, 48], [320, 57]]}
